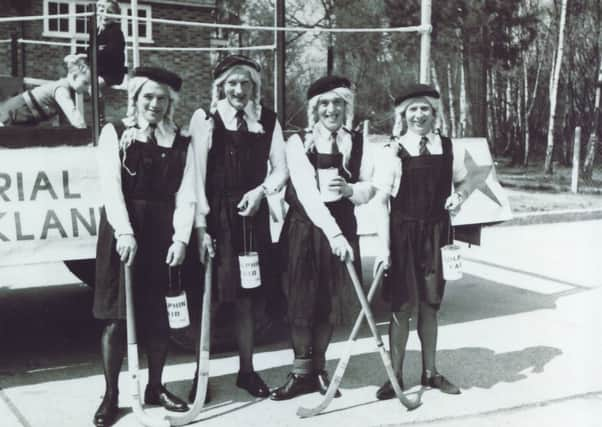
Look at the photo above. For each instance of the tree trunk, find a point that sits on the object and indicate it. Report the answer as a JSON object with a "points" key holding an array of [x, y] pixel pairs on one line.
{"points": [[526, 134], [444, 123], [451, 101], [594, 136], [491, 100], [465, 106], [554, 89]]}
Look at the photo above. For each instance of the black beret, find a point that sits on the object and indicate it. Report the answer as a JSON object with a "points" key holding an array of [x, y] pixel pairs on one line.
{"points": [[231, 61], [326, 84], [160, 75], [416, 90]]}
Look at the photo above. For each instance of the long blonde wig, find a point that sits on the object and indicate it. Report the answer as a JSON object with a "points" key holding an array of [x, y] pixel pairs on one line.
{"points": [[400, 125], [135, 85], [217, 89], [344, 93]]}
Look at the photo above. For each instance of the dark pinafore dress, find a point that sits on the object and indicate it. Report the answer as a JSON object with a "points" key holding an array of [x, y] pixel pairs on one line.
{"points": [[317, 284], [419, 227], [150, 201], [237, 163]]}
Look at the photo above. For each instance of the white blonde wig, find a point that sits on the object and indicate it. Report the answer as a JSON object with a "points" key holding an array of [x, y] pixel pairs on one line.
{"points": [[76, 63], [217, 90], [135, 85], [400, 125], [345, 93]]}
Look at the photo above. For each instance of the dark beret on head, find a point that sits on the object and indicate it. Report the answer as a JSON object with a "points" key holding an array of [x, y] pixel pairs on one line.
{"points": [[160, 75], [416, 90], [326, 84], [232, 61]]}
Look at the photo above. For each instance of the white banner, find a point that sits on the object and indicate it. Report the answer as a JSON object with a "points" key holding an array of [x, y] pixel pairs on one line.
{"points": [[49, 204]]}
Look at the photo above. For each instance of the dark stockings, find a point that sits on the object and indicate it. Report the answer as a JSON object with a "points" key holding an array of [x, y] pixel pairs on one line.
{"points": [[245, 333], [156, 355], [322, 333], [427, 332], [112, 345], [312, 342], [399, 330]]}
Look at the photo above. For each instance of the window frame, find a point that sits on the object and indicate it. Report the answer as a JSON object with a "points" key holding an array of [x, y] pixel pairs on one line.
{"points": [[72, 33]]}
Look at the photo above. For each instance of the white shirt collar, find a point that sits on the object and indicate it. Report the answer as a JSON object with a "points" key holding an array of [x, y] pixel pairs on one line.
{"points": [[228, 114], [162, 131]]}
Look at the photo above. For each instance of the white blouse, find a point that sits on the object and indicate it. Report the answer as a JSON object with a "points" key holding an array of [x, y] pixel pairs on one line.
{"points": [[388, 174], [303, 175], [109, 166], [201, 131]]}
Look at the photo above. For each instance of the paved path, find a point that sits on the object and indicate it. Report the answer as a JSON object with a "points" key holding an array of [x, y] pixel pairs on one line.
{"points": [[520, 334]]}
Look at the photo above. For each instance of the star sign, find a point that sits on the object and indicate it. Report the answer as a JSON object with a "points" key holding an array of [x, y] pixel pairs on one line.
{"points": [[477, 177]]}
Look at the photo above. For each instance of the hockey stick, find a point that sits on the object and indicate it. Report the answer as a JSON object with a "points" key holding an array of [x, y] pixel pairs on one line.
{"points": [[204, 345], [379, 342], [304, 412], [132, 353]]}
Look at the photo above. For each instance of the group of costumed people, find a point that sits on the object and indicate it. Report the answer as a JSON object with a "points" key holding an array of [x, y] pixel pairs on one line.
{"points": [[178, 200], [172, 199]]}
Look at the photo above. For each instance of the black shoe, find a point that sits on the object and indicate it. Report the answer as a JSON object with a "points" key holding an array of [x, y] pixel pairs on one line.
{"points": [[323, 382], [107, 411], [386, 391], [295, 385], [439, 381], [252, 382], [161, 396], [192, 393]]}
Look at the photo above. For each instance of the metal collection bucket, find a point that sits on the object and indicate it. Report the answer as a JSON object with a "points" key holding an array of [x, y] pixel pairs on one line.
{"points": [[177, 311], [177, 304], [451, 260], [248, 260], [324, 178], [250, 275]]}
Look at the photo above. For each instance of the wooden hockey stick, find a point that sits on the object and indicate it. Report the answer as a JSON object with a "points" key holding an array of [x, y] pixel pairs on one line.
{"points": [[203, 362], [304, 412], [132, 352], [379, 342]]}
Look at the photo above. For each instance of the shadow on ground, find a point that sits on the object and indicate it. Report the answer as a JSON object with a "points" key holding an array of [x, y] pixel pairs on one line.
{"points": [[49, 334]]}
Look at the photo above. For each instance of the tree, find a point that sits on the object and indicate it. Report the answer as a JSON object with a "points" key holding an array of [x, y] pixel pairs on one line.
{"points": [[554, 89]]}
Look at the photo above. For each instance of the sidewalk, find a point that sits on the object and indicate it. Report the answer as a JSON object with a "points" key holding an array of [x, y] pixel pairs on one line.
{"points": [[519, 333]]}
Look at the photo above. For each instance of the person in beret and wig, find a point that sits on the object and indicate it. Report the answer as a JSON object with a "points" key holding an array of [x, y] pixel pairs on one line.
{"points": [[320, 230], [414, 182], [233, 145], [147, 180]]}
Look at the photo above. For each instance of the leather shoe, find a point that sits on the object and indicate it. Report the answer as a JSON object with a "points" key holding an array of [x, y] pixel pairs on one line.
{"points": [[107, 411], [161, 396], [323, 381], [252, 382], [386, 391], [295, 385], [192, 393], [439, 381]]}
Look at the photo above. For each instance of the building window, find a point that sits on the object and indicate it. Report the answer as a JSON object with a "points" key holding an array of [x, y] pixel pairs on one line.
{"points": [[77, 27], [144, 23]]}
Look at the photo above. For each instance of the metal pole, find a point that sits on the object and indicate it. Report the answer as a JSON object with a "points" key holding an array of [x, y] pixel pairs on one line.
{"points": [[94, 74], [576, 156], [14, 55], [425, 41], [280, 76], [135, 37]]}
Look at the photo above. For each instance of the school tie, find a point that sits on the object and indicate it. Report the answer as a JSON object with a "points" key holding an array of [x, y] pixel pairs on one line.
{"points": [[423, 151], [241, 123], [152, 138], [334, 148]]}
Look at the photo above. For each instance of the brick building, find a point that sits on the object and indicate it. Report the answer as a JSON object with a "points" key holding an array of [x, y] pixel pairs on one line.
{"points": [[40, 61]]}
